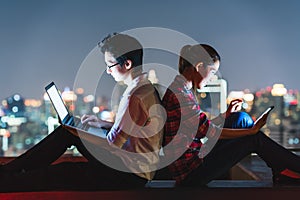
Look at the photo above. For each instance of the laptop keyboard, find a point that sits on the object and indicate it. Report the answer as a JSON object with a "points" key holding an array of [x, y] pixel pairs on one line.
{"points": [[80, 125]]}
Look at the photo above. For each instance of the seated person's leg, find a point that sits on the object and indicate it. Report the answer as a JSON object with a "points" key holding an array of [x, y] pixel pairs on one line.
{"points": [[44, 153], [238, 120], [234, 120]]}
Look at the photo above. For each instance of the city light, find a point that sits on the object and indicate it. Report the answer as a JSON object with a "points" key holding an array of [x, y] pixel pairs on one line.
{"points": [[278, 90], [52, 122], [15, 109], [79, 91], [13, 121], [4, 102], [4, 132], [96, 109], [88, 98], [17, 119], [1, 112], [68, 95], [248, 97], [235, 95], [33, 103], [46, 97], [107, 116], [17, 97]]}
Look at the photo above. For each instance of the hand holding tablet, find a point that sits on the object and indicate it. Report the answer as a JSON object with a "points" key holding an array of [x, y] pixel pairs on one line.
{"points": [[264, 113]]}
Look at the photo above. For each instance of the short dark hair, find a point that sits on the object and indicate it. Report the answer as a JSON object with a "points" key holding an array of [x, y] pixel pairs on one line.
{"points": [[123, 47]]}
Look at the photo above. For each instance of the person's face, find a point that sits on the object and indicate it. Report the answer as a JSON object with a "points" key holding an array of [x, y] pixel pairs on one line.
{"points": [[205, 74], [118, 72]]}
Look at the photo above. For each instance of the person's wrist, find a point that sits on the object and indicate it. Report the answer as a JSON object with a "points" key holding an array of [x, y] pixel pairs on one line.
{"points": [[223, 115], [253, 130]]}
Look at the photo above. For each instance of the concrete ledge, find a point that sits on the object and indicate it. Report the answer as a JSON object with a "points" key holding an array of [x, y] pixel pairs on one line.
{"points": [[240, 176], [239, 184], [165, 194], [215, 184], [160, 184], [63, 158]]}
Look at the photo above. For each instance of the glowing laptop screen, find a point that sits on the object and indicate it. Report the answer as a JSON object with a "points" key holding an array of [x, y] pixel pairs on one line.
{"points": [[57, 102]]}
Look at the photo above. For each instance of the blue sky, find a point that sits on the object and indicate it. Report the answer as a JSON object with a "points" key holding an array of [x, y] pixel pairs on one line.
{"points": [[41, 41]]}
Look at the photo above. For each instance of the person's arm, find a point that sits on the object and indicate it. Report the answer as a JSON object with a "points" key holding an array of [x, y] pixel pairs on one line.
{"points": [[132, 116], [228, 133], [233, 107], [94, 121]]}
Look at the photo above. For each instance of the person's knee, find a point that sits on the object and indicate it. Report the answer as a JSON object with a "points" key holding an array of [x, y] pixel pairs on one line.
{"points": [[239, 120]]}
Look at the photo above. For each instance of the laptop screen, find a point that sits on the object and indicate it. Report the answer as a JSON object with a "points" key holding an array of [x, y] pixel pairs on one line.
{"points": [[57, 102]]}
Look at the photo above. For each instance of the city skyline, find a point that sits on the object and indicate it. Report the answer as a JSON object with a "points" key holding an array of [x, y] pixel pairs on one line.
{"points": [[44, 41]]}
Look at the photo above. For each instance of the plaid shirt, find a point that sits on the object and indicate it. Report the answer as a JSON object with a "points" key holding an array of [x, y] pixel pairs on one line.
{"points": [[186, 125]]}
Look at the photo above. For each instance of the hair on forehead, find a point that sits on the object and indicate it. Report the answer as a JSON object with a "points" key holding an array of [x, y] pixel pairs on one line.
{"points": [[190, 55], [122, 47]]}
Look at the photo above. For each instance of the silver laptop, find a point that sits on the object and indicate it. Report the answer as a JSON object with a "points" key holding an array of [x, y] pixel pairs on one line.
{"points": [[65, 117]]}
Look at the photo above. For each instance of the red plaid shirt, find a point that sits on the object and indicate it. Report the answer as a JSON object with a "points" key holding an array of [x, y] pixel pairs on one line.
{"points": [[184, 128]]}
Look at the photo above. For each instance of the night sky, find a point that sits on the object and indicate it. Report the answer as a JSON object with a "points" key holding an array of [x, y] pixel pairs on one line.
{"points": [[43, 41]]}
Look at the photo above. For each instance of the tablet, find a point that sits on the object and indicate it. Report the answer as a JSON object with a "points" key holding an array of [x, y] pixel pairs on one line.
{"points": [[264, 113]]}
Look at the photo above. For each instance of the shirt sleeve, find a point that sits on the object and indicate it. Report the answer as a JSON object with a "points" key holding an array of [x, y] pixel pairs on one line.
{"points": [[132, 115], [192, 117]]}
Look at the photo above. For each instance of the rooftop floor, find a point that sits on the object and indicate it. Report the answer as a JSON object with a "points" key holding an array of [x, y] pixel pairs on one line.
{"points": [[250, 176]]}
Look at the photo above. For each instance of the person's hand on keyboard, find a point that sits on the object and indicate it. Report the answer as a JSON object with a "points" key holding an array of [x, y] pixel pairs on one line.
{"points": [[94, 121]]}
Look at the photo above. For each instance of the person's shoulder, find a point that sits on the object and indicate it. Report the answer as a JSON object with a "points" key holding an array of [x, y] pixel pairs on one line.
{"points": [[169, 96], [143, 85]]}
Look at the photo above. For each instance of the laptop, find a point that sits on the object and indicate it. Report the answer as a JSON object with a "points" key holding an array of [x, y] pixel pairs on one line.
{"points": [[65, 117]]}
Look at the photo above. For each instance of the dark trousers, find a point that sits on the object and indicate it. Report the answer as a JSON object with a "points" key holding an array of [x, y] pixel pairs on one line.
{"points": [[33, 169], [227, 153]]}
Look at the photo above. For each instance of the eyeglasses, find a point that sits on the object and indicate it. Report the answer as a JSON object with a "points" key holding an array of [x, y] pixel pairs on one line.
{"points": [[110, 66]]}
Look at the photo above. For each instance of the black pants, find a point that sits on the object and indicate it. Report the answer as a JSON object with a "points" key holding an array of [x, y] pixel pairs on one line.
{"points": [[34, 167], [227, 153]]}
